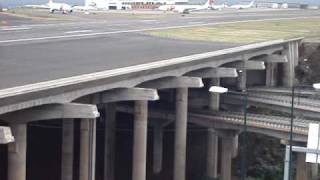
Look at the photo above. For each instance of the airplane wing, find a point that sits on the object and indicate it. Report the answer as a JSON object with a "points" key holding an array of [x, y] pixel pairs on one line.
{"points": [[38, 6], [187, 10]]}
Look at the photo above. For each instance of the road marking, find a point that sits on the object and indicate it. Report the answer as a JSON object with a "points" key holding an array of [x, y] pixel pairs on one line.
{"points": [[79, 31], [149, 20], [196, 22], [144, 29], [14, 28]]}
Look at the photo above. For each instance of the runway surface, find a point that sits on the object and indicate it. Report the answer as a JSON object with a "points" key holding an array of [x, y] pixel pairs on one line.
{"points": [[33, 51]]}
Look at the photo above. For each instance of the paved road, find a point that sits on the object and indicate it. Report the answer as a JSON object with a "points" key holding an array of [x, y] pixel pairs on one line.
{"points": [[31, 53]]}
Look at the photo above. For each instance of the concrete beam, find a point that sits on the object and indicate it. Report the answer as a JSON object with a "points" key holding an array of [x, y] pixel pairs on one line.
{"points": [[274, 58], [247, 65], [52, 111], [126, 94], [6, 135], [220, 72], [174, 82]]}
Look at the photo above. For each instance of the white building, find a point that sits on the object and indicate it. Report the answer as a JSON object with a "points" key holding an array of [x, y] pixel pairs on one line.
{"points": [[130, 4]]}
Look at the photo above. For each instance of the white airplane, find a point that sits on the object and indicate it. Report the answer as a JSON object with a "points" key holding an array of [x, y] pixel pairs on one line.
{"points": [[63, 7], [186, 8], [241, 6], [219, 7]]}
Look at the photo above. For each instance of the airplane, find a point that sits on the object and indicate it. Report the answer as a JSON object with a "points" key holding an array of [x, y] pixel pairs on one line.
{"points": [[186, 8], [218, 7], [63, 7], [241, 6]]}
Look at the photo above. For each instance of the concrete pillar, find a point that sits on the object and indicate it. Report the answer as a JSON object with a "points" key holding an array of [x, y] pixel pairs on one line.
{"points": [[226, 157], [157, 149], [87, 149], [180, 134], [17, 152], [235, 146], [292, 52], [301, 170], [213, 139], [214, 98], [109, 142], [67, 150], [271, 74], [313, 171], [212, 154], [242, 80], [140, 140]]}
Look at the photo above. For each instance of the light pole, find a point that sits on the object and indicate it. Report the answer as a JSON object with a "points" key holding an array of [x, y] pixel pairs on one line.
{"points": [[293, 88], [220, 90]]}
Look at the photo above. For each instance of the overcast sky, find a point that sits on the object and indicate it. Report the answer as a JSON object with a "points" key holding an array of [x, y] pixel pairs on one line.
{"points": [[13, 3]]}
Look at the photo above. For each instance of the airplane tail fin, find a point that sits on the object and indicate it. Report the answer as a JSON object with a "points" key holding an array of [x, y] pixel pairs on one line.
{"points": [[251, 3], [209, 3]]}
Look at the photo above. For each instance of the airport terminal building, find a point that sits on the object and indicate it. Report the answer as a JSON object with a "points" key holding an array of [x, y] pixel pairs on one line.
{"points": [[136, 4]]}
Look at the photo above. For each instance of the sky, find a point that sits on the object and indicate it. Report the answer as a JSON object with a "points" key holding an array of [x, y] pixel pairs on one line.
{"points": [[14, 3]]}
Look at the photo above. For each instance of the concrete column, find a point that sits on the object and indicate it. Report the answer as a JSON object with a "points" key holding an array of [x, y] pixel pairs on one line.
{"points": [[17, 152], [67, 149], [87, 149], [109, 143], [292, 53], [314, 171], [180, 134], [226, 157], [271, 74], [140, 140], [212, 154], [214, 98], [301, 170], [242, 80], [157, 149], [213, 139], [235, 146]]}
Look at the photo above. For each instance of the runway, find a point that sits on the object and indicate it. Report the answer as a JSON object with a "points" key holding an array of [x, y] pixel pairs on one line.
{"points": [[32, 52]]}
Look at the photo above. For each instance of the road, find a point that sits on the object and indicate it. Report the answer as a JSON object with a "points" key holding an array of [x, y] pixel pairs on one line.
{"points": [[32, 52]]}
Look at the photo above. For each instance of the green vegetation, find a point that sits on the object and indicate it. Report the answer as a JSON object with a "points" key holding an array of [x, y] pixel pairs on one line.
{"points": [[248, 32], [35, 14]]}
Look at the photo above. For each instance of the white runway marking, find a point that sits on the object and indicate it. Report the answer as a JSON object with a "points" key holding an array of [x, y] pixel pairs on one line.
{"points": [[149, 20], [14, 28], [79, 31], [142, 30], [196, 22]]}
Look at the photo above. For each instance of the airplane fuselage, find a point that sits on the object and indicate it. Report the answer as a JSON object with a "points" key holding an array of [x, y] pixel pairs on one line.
{"points": [[64, 8]]}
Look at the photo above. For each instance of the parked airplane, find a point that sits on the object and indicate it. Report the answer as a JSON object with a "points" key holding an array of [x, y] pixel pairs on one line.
{"points": [[219, 7], [241, 6], [52, 6], [186, 8]]}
